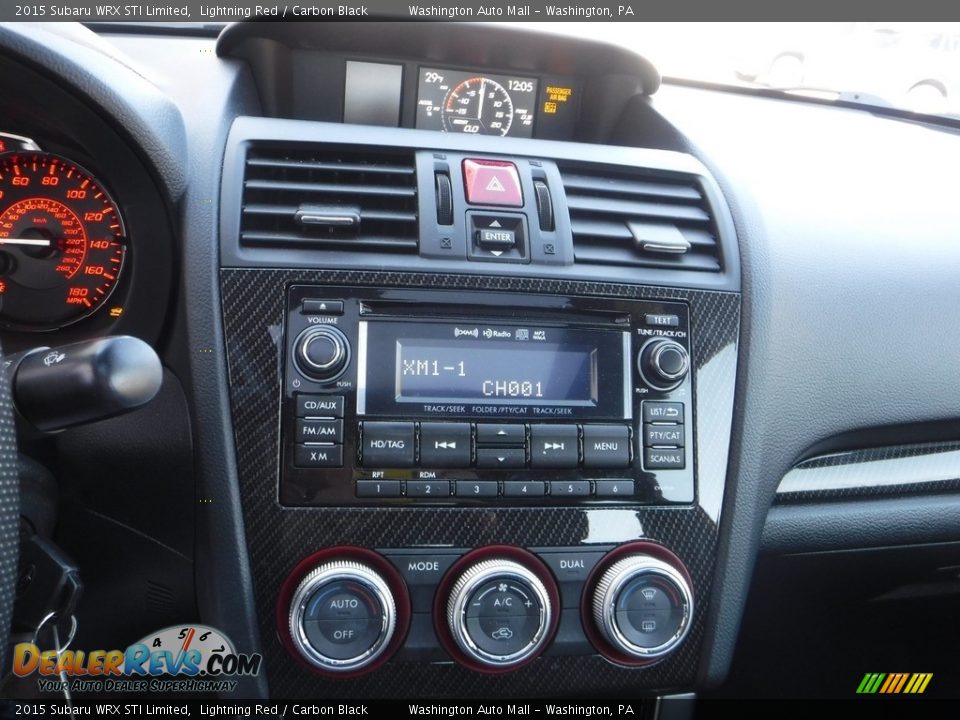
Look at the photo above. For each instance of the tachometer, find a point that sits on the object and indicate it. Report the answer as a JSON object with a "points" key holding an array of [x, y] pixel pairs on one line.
{"points": [[62, 242]]}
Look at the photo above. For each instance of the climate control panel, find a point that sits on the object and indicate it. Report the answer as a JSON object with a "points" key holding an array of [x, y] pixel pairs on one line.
{"points": [[345, 611]]}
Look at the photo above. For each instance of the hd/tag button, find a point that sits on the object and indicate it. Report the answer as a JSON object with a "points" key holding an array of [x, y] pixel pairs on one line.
{"points": [[388, 444]]}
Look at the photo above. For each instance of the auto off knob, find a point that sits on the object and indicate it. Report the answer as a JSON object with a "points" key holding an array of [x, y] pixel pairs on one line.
{"points": [[342, 616], [499, 614], [663, 363], [642, 607], [321, 352]]}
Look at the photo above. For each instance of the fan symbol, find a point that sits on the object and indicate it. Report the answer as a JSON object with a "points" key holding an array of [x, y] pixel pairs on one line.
{"points": [[502, 587]]}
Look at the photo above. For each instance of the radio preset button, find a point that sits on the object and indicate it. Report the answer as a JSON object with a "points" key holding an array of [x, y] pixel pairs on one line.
{"points": [[501, 434], [388, 444], [662, 412], [554, 446], [614, 488], [663, 435], [318, 456], [501, 458], [428, 488], [378, 488], [320, 431], [476, 488], [664, 459], [606, 446], [573, 488], [319, 405], [519, 488], [445, 445]]}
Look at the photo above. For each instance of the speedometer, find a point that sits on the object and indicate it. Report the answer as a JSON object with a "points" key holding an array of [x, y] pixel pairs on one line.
{"points": [[454, 101], [62, 242]]}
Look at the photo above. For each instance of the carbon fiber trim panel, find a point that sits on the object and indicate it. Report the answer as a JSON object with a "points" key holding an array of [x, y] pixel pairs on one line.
{"points": [[278, 538], [874, 472]]}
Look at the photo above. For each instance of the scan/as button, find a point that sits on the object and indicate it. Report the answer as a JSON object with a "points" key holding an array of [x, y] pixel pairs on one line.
{"points": [[664, 459]]}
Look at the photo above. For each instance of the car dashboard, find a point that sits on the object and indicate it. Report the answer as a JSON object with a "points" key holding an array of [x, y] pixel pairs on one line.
{"points": [[485, 355]]}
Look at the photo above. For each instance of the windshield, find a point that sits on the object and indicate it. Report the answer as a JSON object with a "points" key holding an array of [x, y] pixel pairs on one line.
{"points": [[911, 66]]}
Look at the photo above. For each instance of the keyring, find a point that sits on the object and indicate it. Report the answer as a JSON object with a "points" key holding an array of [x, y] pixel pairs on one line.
{"points": [[53, 616]]}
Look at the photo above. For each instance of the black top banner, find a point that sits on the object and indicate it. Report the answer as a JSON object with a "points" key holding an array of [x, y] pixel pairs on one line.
{"points": [[200, 11]]}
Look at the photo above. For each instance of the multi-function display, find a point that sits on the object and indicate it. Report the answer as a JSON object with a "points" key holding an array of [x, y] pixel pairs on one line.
{"points": [[425, 367], [456, 101], [498, 372]]}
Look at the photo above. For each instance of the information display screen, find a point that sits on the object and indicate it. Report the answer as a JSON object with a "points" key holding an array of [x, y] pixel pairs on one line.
{"points": [[544, 373], [475, 370], [476, 104]]}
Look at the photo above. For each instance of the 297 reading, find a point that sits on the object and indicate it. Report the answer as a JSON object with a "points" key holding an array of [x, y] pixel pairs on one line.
{"points": [[547, 373]]}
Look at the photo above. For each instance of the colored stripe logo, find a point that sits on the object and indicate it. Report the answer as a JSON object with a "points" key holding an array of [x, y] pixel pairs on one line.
{"points": [[894, 683]]}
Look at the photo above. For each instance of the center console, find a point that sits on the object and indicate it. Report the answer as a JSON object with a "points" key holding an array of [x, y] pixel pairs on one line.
{"points": [[466, 472]]}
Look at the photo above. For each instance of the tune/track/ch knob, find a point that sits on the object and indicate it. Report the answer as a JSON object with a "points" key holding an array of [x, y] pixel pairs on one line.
{"points": [[321, 352], [642, 607], [663, 363]]}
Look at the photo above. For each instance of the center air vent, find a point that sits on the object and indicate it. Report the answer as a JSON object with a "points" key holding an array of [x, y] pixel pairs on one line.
{"points": [[330, 197], [621, 216]]}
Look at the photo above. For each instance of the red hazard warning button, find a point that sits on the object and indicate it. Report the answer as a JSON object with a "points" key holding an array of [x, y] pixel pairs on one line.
{"points": [[492, 182]]}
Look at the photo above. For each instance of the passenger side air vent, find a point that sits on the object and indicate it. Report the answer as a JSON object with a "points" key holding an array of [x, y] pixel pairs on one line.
{"points": [[330, 197], [635, 217]]}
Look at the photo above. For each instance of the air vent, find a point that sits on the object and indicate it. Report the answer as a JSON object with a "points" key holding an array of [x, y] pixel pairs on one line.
{"points": [[330, 197], [640, 218]]}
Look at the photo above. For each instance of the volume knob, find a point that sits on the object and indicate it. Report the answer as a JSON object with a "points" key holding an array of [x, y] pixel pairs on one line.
{"points": [[663, 363], [321, 353]]}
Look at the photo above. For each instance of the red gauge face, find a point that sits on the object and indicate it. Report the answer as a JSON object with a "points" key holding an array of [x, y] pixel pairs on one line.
{"points": [[62, 242]]}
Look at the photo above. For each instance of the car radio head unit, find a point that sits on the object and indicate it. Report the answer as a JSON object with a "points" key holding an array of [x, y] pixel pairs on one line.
{"points": [[462, 398]]}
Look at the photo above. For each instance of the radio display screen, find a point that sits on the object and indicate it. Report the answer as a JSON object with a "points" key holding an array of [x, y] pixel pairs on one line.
{"points": [[489, 370], [499, 372]]}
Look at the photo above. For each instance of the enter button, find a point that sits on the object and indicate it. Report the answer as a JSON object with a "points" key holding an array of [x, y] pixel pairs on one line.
{"points": [[606, 446]]}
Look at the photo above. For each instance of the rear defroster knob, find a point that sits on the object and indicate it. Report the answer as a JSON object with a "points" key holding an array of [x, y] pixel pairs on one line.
{"points": [[642, 606]]}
